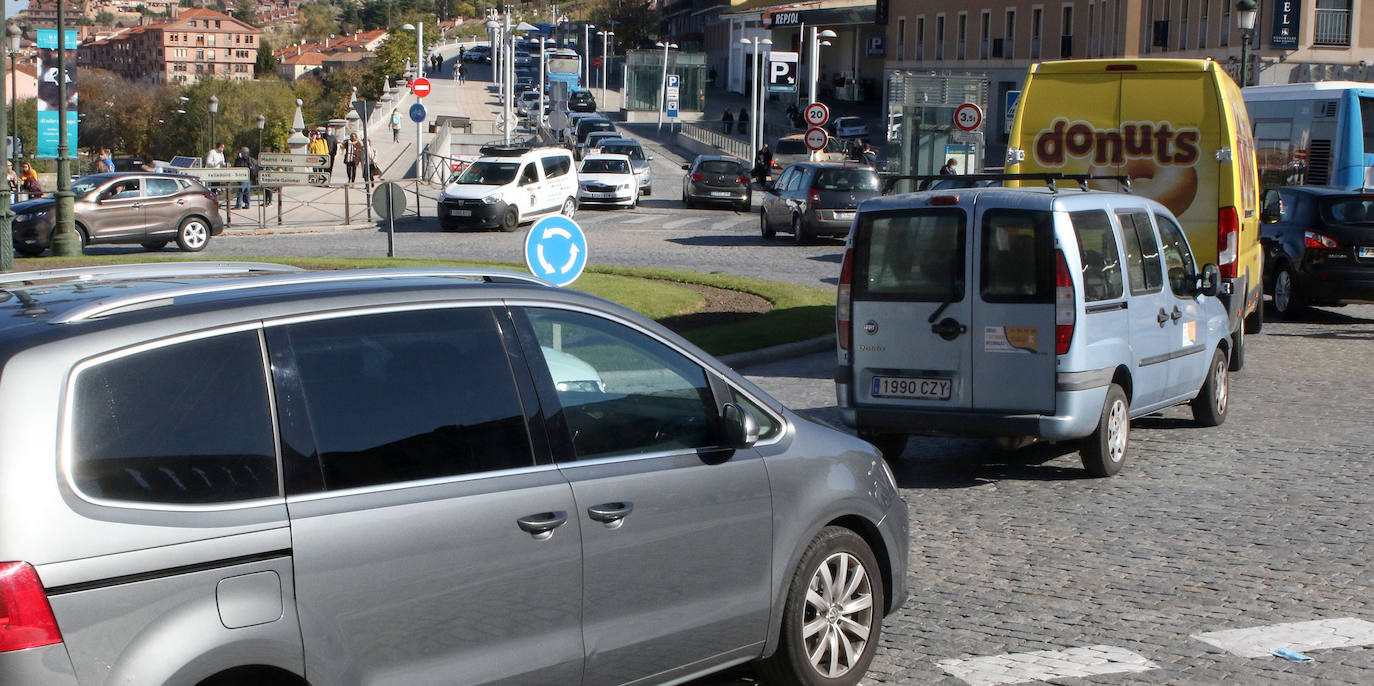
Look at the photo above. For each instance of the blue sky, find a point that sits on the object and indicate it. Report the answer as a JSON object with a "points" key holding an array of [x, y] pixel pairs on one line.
{"points": [[12, 6]]}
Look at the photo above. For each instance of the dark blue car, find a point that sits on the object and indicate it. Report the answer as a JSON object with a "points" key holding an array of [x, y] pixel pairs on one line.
{"points": [[1318, 246]]}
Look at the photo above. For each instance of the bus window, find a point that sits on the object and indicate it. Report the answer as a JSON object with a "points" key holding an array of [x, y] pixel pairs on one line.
{"points": [[1274, 153], [1367, 119]]}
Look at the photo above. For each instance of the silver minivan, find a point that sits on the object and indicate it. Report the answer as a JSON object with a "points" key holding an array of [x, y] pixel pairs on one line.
{"points": [[1025, 314], [225, 474]]}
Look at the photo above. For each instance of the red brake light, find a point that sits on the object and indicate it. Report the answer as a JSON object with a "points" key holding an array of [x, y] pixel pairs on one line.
{"points": [[1320, 241], [26, 619], [698, 176], [211, 196], [1064, 317], [1228, 241], [842, 295], [945, 200], [742, 179], [813, 196], [776, 165]]}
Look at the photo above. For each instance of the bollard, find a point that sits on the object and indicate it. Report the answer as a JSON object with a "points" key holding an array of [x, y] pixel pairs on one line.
{"points": [[348, 213], [281, 195], [228, 214]]}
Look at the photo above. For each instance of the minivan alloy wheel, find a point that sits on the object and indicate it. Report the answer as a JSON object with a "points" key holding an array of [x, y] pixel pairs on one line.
{"points": [[193, 234], [839, 611], [1117, 427]]}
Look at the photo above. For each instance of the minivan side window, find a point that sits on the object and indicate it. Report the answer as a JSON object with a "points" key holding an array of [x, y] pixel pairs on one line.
{"points": [[555, 166], [1098, 253], [621, 391], [787, 176], [1142, 253], [186, 423], [1178, 259], [404, 396], [1017, 254], [913, 256]]}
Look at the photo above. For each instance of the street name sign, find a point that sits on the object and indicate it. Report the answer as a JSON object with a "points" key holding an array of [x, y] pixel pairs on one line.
{"points": [[219, 174], [281, 159], [276, 178]]}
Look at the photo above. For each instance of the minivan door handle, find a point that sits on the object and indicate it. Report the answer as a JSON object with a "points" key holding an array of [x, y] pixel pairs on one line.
{"points": [[1162, 317], [543, 523], [949, 329], [610, 513], [1175, 314]]}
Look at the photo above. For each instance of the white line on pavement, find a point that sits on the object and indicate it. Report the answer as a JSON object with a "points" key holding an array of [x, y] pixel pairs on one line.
{"points": [[681, 222], [1043, 665], [1261, 641], [642, 218]]}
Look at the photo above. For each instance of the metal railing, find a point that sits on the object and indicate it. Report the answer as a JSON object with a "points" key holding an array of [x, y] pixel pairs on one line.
{"points": [[701, 133], [1332, 27]]}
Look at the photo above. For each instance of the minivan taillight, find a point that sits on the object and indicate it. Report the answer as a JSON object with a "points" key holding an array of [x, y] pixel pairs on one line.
{"points": [[1064, 316], [1228, 241], [1320, 241], [742, 179], [842, 295], [26, 619], [813, 197]]}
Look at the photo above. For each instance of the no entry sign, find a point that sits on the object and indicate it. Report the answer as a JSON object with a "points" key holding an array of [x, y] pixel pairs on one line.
{"points": [[420, 87]]}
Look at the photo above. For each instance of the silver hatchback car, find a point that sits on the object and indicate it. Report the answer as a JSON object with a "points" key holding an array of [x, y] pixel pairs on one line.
{"points": [[245, 474]]}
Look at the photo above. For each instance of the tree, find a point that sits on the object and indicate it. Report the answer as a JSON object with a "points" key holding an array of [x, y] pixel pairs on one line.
{"points": [[246, 11], [105, 18], [267, 62], [638, 21], [399, 46], [317, 22]]}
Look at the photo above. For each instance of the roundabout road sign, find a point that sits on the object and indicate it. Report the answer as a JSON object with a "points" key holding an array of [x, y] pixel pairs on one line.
{"points": [[817, 114], [968, 116], [556, 250], [420, 87], [816, 138]]}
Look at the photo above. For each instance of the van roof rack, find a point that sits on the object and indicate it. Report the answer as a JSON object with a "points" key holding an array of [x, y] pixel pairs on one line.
{"points": [[159, 270], [890, 180], [159, 298], [503, 150]]}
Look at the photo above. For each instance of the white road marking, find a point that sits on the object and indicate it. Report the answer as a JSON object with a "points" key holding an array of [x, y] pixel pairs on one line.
{"points": [[1043, 665], [1261, 641], [642, 219], [681, 222]]}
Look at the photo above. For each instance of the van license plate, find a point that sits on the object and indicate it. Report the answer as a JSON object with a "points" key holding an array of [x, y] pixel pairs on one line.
{"points": [[1366, 253], [721, 194], [905, 387], [461, 213], [845, 216]]}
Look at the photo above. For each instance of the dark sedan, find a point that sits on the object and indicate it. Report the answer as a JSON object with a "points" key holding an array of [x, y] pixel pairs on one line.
{"points": [[717, 180], [813, 199], [1318, 246]]}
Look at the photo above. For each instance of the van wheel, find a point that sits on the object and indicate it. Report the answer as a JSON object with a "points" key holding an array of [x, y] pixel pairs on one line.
{"points": [[569, 208], [1105, 450], [510, 221], [1209, 407], [767, 231], [833, 614], [1288, 302], [193, 234], [797, 233], [154, 246], [890, 445]]}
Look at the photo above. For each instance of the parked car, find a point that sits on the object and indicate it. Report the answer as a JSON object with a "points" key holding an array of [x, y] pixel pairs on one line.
{"points": [[523, 59], [147, 209], [478, 53], [1318, 246], [717, 180], [640, 161], [813, 199], [508, 187], [527, 103], [570, 133], [1021, 313], [250, 474], [582, 101], [607, 180], [849, 127]]}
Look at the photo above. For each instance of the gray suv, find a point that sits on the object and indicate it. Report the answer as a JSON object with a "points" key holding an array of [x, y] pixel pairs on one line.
{"points": [[246, 474]]}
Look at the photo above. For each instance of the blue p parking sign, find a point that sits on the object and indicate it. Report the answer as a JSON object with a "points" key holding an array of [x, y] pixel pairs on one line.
{"points": [[556, 250]]}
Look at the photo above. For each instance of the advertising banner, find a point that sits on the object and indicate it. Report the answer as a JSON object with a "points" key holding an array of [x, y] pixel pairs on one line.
{"points": [[48, 100]]}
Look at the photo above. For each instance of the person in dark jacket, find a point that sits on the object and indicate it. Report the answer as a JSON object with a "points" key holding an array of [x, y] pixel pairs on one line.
{"points": [[743, 120], [763, 161], [245, 160], [728, 120]]}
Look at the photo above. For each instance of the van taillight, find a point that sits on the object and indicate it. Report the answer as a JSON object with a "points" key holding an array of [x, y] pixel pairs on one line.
{"points": [[1228, 241], [1064, 316], [842, 295], [698, 176], [26, 619], [813, 196]]}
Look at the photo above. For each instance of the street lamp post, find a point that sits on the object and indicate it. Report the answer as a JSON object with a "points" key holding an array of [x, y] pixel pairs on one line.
{"points": [[419, 29], [262, 124], [66, 242], [12, 34], [605, 61], [1245, 20], [214, 109], [815, 62], [587, 53], [756, 95], [543, 60], [663, 82], [6, 214]]}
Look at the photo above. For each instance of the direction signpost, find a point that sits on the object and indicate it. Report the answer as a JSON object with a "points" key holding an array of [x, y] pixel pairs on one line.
{"points": [[293, 178], [279, 159], [219, 174], [389, 200]]}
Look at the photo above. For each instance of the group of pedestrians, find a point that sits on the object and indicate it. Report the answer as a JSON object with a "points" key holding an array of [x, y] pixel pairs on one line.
{"points": [[355, 154], [24, 185]]}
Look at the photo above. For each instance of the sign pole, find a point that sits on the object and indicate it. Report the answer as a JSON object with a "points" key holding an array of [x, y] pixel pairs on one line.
{"points": [[65, 242], [390, 228]]}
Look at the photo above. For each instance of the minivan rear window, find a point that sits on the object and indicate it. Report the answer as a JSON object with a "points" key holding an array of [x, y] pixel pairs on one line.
{"points": [[791, 147], [1348, 210], [846, 180], [915, 256], [1098, 253], [1017, 256]]}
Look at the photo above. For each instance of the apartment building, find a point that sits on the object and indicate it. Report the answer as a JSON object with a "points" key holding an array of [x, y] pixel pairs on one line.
{"points": [[198, 44]]}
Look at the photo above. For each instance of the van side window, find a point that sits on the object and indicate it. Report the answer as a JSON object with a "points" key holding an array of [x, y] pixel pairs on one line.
{"points": [[1142, 253], [1098, 253], [529, 175], [555, 166], [186, 423], [911, 256], [1178, 259], [409, 395], [1016, 262]]}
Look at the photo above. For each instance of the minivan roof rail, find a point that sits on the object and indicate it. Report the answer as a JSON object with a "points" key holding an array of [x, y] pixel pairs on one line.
{"points": [[140, 301], [158, 270], [890, 180]]}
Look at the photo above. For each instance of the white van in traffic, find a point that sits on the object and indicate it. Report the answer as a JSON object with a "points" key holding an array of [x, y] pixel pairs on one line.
{"points": [[509, 186]]}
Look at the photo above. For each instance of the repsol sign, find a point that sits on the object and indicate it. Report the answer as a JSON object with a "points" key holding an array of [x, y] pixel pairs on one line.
{"points": [[786, 19], [1159, 141]]}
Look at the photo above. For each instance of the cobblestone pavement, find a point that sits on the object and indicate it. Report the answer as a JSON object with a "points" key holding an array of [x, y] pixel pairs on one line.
{"points": [[1264, 520]]}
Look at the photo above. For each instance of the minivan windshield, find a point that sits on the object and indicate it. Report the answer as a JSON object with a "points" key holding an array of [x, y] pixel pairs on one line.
{"points": [[489, 173], [847, 180], [605, 167], [633, 152], [910, 255]]}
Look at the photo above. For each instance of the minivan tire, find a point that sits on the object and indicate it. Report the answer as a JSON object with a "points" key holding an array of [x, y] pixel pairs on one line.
{"points": [[1213, 399], [193, 234], [890, 445], [1104, 451], [791, 665], [1288, 302], [510, 221], [798, 232], [569, 208], [768, 232]]}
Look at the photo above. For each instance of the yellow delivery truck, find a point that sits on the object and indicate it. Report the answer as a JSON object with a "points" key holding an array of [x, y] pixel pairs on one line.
{"points": [[1179, 130]]}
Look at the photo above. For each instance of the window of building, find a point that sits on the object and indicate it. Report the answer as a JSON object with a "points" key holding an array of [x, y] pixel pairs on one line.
{"points": [[1183, 26], [1037, 21], [920, 38], [186, 423], [1066, 32], [1332, 23], [1009, 40], [961, 48], [901, 38], [1225, 27], [939, 36], [1202, 23], [984, 34]]}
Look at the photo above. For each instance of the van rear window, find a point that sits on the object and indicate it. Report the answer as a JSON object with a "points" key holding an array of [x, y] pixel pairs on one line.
{"points": [[791, 147], [1017, 257], [915, 256]]}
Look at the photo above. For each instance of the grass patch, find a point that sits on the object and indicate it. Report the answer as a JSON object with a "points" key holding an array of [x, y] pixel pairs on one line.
{"points": [[798, 313]]}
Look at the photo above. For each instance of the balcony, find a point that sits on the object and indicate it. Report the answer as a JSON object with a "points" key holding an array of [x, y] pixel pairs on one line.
{"points": [[1332, 28]]}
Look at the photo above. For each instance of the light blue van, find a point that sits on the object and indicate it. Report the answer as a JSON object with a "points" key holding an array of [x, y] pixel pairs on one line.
{"points": [[1025, 313]]}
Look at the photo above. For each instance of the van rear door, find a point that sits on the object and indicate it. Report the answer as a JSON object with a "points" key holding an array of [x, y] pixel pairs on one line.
{"points": [[1013, 322], [911, 308]]}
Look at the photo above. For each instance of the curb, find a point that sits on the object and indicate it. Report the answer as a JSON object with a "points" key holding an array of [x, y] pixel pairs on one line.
{"points": [[298, 228], [774, 353]]}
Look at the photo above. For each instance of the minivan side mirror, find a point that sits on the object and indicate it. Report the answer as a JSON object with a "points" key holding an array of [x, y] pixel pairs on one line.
{"points": [[741, 431], [1209, 283], [685, 166]]}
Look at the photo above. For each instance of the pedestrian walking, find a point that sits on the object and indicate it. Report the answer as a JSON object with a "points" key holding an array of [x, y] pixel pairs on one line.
{"points": [[462, 73], [245, 161], [317, 146], [28, 182], [870, 157], [353, 152], [949, 169], [743, 120], [763, 161], [372, 170], [104, 162], [333, 140], [13, 180], [395, 126], [461, 51], [728, 120], [215, 158]]}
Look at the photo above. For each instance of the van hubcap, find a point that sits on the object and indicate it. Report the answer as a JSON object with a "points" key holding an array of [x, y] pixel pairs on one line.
{"points": [[1219, 384], [1283, 291], [838, 614], [1117, 426]]}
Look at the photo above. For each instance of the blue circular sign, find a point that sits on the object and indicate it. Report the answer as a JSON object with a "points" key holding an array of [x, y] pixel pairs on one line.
{"points": [[556, 250], [417, 113]]}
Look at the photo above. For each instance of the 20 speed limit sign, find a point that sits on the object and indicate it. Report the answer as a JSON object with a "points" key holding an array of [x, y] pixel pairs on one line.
{"points": [[817, 114], [968, 116]]}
